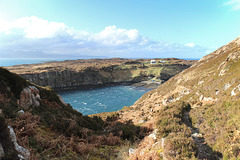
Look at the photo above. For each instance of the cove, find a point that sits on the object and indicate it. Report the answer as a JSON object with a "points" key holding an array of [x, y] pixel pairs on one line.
{"points": [[104, 99]]}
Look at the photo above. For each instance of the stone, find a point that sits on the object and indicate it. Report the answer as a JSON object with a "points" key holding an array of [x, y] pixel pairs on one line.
{"points": [[131, 151], [235, 90], [61, 99], [1, 151], [162, 144], [201, 98], [21, 111], [153, 134], [200, 82], [227, 86], [29, 97], [23, 152]]}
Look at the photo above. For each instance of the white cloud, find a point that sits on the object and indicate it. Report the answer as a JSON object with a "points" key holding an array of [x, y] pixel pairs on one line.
{"points": [[112, 35], [234, 3], [32, 36], [190, 44]]}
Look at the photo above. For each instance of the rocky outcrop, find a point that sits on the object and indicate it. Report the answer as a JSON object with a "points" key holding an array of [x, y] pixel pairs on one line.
{"points": [[1, 151], [29, 97], [23, 152]]}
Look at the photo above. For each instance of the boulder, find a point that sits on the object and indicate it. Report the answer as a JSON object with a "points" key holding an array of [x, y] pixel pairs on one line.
{"points": [[1, 151], [23, 152], [29, 97]]}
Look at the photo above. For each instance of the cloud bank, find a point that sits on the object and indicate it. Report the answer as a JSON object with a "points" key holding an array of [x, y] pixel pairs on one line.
{"points": [[38, 38]]}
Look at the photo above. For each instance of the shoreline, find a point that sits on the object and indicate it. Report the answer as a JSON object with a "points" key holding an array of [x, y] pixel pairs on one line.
{"points": [[146, 84]]}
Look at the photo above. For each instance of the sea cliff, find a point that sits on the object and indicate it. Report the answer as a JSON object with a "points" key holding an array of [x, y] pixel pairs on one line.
{"points": [[98, 72]]}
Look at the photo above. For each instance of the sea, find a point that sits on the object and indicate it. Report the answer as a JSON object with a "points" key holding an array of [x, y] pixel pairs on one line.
{"points": [[104, 99], [91, 101], [4, 62]]}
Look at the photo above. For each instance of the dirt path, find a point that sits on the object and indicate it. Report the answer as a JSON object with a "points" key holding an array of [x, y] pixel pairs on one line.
{"points": [[205, 152]]}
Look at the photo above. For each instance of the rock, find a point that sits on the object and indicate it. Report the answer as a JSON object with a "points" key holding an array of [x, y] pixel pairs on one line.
{"points": [[29, 97], [197, 135], [131, 151], [201, 98], [162, 144], [21, 111], [141, 121], [23, 152], [61, 99], [235, 90], [227, 86], [153, 134], [231, 57], [1, 151], [200, 82]]}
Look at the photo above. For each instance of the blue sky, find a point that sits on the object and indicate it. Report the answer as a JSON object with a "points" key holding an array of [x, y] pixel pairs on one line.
{"points": [[116, 28]]}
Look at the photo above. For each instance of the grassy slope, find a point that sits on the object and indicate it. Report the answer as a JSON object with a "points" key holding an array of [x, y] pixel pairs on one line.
{"points": [[217, 119]]}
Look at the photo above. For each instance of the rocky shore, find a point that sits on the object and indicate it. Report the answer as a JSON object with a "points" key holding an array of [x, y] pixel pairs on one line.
{"points": [[148, 84]]}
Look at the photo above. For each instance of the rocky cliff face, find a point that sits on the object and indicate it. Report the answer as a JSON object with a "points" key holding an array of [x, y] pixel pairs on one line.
{"points": [[77, 75], [74, 79]]}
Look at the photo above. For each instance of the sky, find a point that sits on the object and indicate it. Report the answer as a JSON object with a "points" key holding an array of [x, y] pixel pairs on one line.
{"points": [[74, 29]]}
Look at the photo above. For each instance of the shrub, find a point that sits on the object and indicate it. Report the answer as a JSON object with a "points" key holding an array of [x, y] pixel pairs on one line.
{"points": [[178, 146], [170, 119]]}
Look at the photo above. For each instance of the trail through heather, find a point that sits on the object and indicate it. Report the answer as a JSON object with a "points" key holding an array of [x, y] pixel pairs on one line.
{"points": [[205, 152]]}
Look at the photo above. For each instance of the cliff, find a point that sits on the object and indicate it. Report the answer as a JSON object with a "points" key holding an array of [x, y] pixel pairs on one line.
{"points": [[89, 73]]}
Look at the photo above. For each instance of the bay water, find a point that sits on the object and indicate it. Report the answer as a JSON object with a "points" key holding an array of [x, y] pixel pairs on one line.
{"points": [[105, 99]]}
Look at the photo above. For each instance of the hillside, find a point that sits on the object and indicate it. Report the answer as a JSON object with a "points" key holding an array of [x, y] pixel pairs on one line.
{"points": [[195, 114], [73, 74], [36, 124]]}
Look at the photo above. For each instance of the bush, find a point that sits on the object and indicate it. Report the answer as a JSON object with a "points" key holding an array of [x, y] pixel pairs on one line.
{"points": [[178, 146], [170, 119]]}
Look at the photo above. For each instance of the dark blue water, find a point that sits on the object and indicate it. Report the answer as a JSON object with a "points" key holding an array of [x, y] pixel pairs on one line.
{"points": [[106, 99]]}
